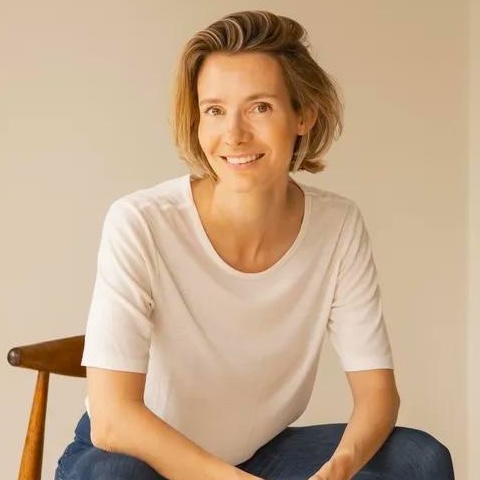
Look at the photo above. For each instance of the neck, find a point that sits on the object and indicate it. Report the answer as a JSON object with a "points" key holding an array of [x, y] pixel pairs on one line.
{"points": [[251, 219]]}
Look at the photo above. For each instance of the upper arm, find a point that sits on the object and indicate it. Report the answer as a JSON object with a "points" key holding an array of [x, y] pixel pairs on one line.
{"points": [[356, 326], [119, 322], [368, 384]]}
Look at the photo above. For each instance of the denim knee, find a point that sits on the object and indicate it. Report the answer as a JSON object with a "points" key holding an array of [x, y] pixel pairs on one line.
{"points": [[422, 452], [92, 463]]}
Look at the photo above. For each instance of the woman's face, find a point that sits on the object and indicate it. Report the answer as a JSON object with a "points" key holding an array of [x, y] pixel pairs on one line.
{"points": [[247, 126]]}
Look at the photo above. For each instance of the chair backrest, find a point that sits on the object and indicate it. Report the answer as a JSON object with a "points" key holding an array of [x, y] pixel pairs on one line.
{"points": [[61, 356]]}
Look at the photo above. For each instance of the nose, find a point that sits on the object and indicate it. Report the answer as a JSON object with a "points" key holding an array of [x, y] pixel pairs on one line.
{"points": [[236, 130]]}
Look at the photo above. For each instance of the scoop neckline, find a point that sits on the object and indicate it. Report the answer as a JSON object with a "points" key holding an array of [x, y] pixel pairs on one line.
{"points": [[220, 262]]}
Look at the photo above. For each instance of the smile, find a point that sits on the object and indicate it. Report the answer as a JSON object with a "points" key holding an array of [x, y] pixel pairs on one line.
{"points": [[243, 159]]}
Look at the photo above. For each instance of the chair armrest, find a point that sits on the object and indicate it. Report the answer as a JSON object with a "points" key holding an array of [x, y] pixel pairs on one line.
{"points": [[61, 356]]}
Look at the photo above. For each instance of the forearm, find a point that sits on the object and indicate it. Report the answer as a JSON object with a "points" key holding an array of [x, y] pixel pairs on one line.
{"points": [[370, 424], [133, 429]]}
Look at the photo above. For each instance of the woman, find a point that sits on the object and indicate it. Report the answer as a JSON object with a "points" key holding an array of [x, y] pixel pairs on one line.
{"points": [[214, 291]]}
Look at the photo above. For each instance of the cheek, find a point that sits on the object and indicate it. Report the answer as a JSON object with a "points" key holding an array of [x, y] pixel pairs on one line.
{"points": [[204, 137], [208, 133], [283, 133]]}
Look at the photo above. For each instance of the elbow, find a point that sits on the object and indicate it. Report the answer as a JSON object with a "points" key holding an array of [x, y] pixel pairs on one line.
{"points": [[109, 425], [395, 407], [102, 432]]}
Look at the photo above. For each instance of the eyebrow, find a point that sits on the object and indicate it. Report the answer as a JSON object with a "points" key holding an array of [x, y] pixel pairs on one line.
{"points": [[250, 98]]}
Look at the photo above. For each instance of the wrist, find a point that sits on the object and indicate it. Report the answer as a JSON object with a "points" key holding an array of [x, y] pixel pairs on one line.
{"points": [[344, 461]]}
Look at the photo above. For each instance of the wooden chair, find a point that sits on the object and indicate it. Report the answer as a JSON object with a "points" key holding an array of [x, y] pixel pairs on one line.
{"points": [[61, 356]]}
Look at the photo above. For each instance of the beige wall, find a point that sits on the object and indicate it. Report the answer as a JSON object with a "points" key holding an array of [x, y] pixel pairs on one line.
{"points": [[474, 245], [83, 119]]}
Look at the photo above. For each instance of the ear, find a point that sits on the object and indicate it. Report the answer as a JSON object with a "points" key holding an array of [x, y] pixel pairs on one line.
{"points": [[306, 121]]}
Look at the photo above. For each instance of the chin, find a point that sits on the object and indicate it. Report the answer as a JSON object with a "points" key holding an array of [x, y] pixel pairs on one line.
{"points": [[238, 185]]}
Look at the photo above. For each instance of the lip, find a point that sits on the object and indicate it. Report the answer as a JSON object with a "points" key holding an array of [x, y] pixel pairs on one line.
{"points": [[242, 166], [239, 155]]}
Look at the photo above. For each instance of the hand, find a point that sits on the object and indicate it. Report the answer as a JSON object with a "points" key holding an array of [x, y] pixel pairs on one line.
{"points": [[339, 467]]}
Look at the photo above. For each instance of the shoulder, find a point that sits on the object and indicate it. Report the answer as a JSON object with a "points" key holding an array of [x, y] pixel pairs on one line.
{"points": [[161, 199], [163, 196], [139, 213], [330, 206]]}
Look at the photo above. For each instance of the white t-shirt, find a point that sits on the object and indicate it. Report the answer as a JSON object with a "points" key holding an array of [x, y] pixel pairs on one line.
{"points": [[230, 357]]}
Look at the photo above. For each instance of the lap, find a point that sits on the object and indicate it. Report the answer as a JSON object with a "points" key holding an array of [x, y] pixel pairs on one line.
{"points": [[296, 453]]}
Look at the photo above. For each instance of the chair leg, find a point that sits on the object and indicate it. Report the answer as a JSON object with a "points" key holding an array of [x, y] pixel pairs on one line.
{"points": [[31, 465]]}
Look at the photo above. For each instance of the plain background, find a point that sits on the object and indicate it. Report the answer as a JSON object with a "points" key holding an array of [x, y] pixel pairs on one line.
{"points": [[84, 118]]}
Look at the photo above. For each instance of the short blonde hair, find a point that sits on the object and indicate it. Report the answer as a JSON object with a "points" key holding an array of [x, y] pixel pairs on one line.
{"points": [[310, 87]]}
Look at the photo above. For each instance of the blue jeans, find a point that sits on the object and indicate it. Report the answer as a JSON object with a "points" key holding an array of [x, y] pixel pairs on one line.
{"points": [[294, 454]]}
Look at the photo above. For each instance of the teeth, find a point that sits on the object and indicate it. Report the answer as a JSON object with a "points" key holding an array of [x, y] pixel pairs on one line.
{"points": [[241, 160]]}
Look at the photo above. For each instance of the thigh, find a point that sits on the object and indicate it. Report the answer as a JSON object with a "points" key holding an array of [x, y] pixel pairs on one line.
{"points": [[298, 452]]}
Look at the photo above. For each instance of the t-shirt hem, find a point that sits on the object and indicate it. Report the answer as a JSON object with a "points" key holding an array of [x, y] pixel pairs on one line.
{"points": [[369, 364], [130, 367]]}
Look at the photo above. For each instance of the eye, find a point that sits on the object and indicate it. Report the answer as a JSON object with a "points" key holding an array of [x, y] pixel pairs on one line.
{"points": [[214, 111], [262, 107]]}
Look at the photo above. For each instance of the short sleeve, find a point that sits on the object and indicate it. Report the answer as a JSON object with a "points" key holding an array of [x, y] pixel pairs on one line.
{"points": [[356, 325], [119, 326]]}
